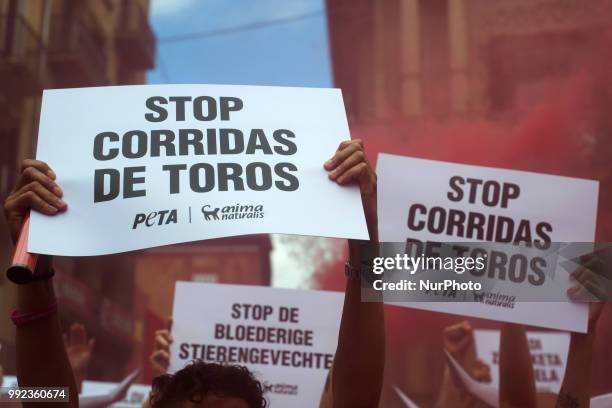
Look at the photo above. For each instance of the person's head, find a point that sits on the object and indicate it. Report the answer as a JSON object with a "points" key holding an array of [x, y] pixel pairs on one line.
{"points": [[208, 385]]}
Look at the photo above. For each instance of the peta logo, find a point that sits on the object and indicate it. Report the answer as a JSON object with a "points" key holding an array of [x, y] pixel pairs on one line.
{"points": [[232, 212], [163, 217]]}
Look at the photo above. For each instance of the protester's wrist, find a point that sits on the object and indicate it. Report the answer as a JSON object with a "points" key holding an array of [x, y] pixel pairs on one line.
{"points": [[372, 224], [592, 326], [352, 272], [25, 276], [21, 318], [35, 300], [44, 268], [583, 341], [45, 264], [355, 250], [35, 296], [371, 214]]}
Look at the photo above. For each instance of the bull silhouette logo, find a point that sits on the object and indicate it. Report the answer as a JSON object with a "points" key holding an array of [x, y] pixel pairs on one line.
{"points": [[210, 214]]}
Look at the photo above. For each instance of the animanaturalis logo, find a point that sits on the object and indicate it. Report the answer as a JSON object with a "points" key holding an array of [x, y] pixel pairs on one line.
{"points": [[232, 212]]}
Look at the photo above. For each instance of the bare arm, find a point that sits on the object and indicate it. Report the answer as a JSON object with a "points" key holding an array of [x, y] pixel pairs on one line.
{"points": [[460, 344], [591, 281], [575, 391], [41, 357], [360, 356], [358, 370], [516, 379]]}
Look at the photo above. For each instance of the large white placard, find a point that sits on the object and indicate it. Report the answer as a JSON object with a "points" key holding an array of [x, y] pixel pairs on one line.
{"points": [[143, 166], [287, 337], [548, 350], [542, 207]]}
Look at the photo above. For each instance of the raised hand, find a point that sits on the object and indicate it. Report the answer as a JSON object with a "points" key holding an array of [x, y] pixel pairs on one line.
{"points": [[459, 342], [79, 349], [160, 358], [349, 164], [35, 189]]}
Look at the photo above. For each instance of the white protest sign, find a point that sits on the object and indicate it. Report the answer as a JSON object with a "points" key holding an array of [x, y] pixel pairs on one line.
{"points": [[601, 401], [548, 350], [434, 201], [287, 337], [143, 166]]}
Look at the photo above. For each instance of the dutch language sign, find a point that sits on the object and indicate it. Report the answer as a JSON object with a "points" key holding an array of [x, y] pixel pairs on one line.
{"points": [[143, 166], [287, 337], [428, 203]]}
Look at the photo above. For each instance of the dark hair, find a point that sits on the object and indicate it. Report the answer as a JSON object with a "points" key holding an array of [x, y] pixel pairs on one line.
{"points": [[198, 380]]}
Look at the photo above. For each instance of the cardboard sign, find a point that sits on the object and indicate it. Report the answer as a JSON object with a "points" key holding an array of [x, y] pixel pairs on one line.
{"points": [[287, 337], [143, 166], [548, 350], [426, 200]]}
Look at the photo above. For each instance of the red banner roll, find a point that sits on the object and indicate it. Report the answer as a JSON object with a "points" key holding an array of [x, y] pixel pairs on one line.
{"points": [[23, 264]]}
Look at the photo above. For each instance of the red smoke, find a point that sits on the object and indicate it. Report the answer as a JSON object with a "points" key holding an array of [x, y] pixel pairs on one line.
{"points": [[567, 132]]}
